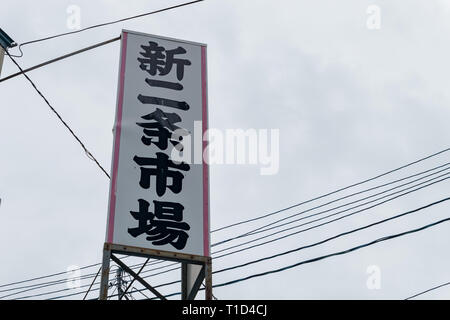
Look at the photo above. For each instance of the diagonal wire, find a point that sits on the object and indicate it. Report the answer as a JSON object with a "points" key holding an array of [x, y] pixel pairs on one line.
{"points": [[250, 247], [105, 24], [428, 290], [339, 253], [275, 225], [97, 264], [90, 287], [87, 152], [333, 254], [332, 192], [132, 281]]}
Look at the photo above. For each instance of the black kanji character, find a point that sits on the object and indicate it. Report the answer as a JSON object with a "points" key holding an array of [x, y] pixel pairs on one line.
{"points": [[182, 105], [165, 226], [161, 123], [157, 58], [160, 168], [164, 84]]}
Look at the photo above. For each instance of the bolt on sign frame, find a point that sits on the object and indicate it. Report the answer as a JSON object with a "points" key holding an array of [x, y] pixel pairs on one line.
{"points": [[159, 191]]}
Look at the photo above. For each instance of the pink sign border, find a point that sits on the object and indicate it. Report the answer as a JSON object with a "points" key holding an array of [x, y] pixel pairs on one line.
{"points": [[118, 127]]}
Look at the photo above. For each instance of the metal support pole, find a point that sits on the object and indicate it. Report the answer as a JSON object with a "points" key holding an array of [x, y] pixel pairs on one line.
{"points": [[105, 273], [5, 43], [184, 284], [197, 283], [2, 56], [208, 280], [119, 283], [192, 276]]}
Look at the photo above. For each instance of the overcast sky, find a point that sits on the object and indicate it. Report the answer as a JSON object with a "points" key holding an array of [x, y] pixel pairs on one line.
{"points": [[349, 102]]}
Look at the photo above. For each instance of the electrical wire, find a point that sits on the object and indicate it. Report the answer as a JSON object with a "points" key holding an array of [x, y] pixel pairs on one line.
{"points": [[254, 245], [60, 281], [339, 253], [90, 287], [328, 239], [333, 254], [59, 58], [109, 297], [105, 24], [334, 237], [84, 286], [304, 230], [132, 281], [56, 282], [262, 216], [47, 276], [87, 152], [428, 290], [325, 217], [275, 225], [88, 276], [328, 216], [91, 156], [333, 192]]}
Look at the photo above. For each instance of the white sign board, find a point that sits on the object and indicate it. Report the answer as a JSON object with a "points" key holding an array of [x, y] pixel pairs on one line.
{"points": [[156, 201]]}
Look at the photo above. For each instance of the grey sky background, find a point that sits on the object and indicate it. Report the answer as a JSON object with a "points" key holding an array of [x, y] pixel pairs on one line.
{"points": [[349, 102]]}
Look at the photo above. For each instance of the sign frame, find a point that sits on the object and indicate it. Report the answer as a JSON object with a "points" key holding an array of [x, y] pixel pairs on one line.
{"points": [[110, 246]]}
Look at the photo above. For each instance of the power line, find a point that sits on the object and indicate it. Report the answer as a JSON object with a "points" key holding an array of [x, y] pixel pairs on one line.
{"points": [[83, 286], [313, 227], [370, 189], [259, 244], [106, 24], [132, 281], [142, 294], [335, 237], [87, 276], [173, 269], [385, 220], [87, 152], [90, 276], [260, 217], [47, 276], [109, 297], [332, 192], [60, 58], [316, 226], [428, 290], [112, 296], [319, 225], [88, 290], [303, 230], [307, 229], [333, 254], [271, 225], [257, 275], [55, 282], [60, 281]]}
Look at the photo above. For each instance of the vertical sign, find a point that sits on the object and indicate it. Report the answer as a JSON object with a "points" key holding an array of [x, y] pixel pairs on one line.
{"points": [[156, 200]]}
